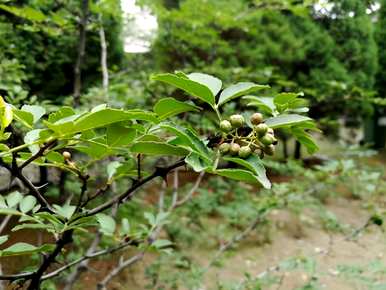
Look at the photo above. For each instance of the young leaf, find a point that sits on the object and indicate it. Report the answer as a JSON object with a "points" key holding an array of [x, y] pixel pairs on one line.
{"points": [[24, 117], [160, 244], [36, 111], [169, 107], [286, 120], [112, 169], [25, 249], [254, 164], [238, 90], [242, 175], [107, 224], [2, 202], [3, 239], [6, 116], [285, 98], [27, 203], [118, 135], [197, 162], [13, 198], [55, 157], [191, 87], [265, 104], [65, 211], [62, 113], [157, 148], [214, 84]]}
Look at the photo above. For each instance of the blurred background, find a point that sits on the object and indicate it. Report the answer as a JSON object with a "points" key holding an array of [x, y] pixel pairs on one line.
{"points": [[53, 52]]}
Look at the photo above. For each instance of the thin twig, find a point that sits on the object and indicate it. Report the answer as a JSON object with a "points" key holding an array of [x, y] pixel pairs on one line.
{"points": [[38, 154], [235, 239], [159, 172], [189, 196]]}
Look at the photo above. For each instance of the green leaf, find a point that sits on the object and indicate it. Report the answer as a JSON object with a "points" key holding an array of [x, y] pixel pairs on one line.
{"points": [[2, 202], [188, 139], [125, 227], [25, 12], [98, 119], [107, 224], [112, 169], [211, 82], [118, 135], [6, 113], [27, 203], [25, 249], [36, 111], [31, 137], [65, 211], [62, 113], [13, 198], [197, 162], [305, 139], [160, 244], [95, 149], [157, 148], [238, 90], [3, 147], [238, 174], [55, 157], [264, 104], [285, 98], [191, 87], [286, 120], [33, 226], [25, 118], [254, 164], [150, 218], [168, 107], [3, 239]]}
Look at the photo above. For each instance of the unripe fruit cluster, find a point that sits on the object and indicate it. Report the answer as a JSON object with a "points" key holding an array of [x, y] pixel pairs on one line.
{"points": [[260, 140]]}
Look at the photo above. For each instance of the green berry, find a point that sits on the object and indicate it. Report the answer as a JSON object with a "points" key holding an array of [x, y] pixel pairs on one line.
{"points": [[237, 121], [262, 129], [224, 148], [267, 139], [225, 126], [234, 149], [245, 151], [256, 118], [269, 150]]}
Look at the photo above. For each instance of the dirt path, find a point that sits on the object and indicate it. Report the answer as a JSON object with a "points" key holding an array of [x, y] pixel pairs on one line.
{"points": [[339, 263]]}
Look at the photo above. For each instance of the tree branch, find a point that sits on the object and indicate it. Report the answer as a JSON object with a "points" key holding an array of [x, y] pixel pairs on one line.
{"points": [[38, 154], [159, 172]]}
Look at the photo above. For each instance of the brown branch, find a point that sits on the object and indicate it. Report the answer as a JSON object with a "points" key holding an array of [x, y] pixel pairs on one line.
{"points": [[86, 257], [159, 172], [16, 172], [38, 154], [122, 265], [36, 277]]}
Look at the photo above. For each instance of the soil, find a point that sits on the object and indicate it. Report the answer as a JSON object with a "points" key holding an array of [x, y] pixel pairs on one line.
{"points": [[329, 250], [289, 237]]}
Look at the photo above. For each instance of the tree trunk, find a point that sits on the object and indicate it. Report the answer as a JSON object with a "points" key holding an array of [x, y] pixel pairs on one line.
{"points": [[81, 53], [105, 72]]}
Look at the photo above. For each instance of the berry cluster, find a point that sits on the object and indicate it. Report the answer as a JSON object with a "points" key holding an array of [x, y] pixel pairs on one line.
{"points": [[260, 140]]}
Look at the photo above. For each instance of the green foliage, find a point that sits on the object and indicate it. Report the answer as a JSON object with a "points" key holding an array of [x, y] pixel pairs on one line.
{"points": [[78, 142]]}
